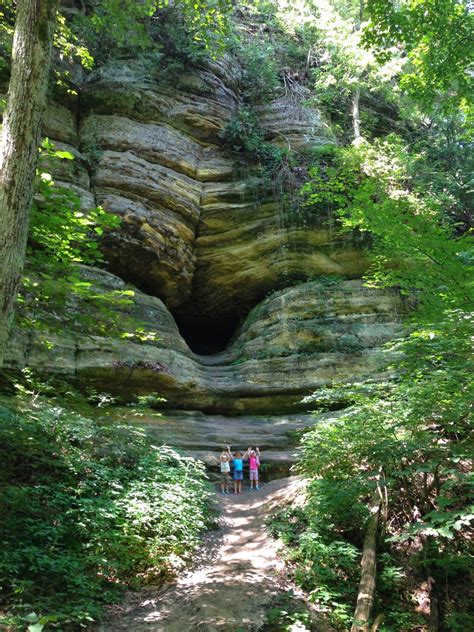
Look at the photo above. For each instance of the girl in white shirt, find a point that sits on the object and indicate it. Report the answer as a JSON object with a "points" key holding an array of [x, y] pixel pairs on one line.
{"points": [[225, 472]]}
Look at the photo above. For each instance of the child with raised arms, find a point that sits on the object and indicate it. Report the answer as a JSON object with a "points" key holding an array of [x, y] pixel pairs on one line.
{"points": [[238, 462], [224, 461], [254, 464]]}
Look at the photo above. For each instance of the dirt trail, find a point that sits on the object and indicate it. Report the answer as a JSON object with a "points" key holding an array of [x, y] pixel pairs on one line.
{"points": [[232, 583]]}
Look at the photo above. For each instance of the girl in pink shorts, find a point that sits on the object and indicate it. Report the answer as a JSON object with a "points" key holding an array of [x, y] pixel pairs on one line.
{"points": [[254, 463]]}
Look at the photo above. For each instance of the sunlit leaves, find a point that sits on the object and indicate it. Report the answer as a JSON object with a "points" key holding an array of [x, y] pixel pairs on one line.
{"points": [[63, 234], [60, 229], [409, 440], [89, 506], [438, 37], [69, 45], [129, 24], [413, 246]]}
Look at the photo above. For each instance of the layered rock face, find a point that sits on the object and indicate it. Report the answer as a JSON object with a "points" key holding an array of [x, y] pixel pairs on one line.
{"points": [[206, 239], [201, 229], [298, 340]]}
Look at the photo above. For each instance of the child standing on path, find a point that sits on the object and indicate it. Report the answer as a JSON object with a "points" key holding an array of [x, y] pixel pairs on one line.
{"points": [[254, 463], [225, 472], [238, 461]]}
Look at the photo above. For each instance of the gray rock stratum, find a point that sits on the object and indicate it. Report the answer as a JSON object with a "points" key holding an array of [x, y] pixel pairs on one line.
{"points": [[295, 341]]}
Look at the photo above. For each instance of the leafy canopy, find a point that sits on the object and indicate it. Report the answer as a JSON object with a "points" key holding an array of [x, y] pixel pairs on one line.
{"points": [[408, 438], [438, 38]]}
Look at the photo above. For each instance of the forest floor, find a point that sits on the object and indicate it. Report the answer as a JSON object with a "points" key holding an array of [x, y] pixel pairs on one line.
{"points": [[234, 580]]}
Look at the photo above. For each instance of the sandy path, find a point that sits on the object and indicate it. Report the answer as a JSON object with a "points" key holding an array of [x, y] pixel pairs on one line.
{"points": [[233, 581]]}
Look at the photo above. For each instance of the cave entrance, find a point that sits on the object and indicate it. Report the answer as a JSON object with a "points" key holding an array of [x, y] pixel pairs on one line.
{"points": [[207, 337]]}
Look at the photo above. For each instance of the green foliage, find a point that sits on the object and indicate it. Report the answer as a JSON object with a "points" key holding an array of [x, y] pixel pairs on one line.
{"points": [[286, 615], [322, 541], [371, 188], [340, 67], [410, 440], [70, 46], [443, 164], [88, 508], [243, 133], [183, 31], [55, 290], [260, 79], [60, 230], [329, 281], [186, 29], [272, 46], [438, 37], [6, 38], [326, 187], [323, 565], [265, 46]]}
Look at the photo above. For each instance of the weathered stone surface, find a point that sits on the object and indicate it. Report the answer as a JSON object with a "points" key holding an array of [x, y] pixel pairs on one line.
{"points": [[60, 124], [243, 251], [300, 339], [155, 143], [319, 317], [160, 209], [198, 222], [207, 237], [293, 125], [205, 436], [201, 101], [60, 127]]}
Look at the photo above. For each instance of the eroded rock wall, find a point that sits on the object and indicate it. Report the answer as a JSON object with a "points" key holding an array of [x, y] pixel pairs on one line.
{"points": [[298, 340], [202, 229], [206, 238]]}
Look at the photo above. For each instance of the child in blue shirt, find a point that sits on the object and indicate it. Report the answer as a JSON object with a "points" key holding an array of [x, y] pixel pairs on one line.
{"points": [[238, 462]]}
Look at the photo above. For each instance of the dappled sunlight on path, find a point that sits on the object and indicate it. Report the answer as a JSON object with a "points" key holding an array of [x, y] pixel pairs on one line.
{"points": [[234, 579]]}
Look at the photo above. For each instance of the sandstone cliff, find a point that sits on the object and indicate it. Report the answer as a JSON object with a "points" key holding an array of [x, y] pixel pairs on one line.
{"points": [[205, 239]]}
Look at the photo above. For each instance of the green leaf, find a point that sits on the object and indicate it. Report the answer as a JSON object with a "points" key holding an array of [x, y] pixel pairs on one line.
{"points": [[64, 155]]}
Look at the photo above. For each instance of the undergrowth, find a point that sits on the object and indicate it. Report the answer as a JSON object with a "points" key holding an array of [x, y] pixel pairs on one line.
{"points": [[323, 549], [88, 508]]}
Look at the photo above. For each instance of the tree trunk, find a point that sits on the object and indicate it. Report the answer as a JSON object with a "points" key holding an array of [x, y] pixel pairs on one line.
{"points": [[365, 597], [31, 59], [377, 623], [433, 620], [355, 105], [355, 112]]}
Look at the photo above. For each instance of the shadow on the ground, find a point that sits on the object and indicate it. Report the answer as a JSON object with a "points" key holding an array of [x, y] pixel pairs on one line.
{"points": [[233, 581]]}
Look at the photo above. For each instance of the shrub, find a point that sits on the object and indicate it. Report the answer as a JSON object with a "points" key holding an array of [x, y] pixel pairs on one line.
{"points": [[260, 81], [323, 540], [244, 134], [88, 507]]}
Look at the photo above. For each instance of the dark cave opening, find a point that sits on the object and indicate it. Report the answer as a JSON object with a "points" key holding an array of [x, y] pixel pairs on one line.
{"points": [[207, 337]]}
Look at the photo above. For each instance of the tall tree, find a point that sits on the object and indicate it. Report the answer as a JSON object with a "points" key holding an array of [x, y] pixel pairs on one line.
{"points": [[437, 36], [345, 73], [31, 59]]}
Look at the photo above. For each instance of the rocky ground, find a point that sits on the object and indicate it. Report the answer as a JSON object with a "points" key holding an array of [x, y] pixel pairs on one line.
{"points": [[236, 578]]}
